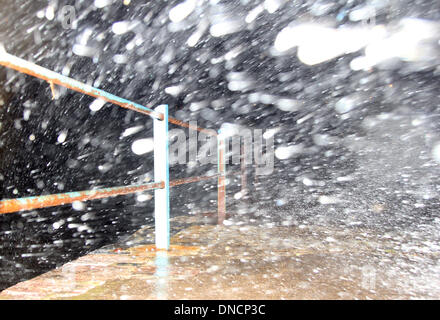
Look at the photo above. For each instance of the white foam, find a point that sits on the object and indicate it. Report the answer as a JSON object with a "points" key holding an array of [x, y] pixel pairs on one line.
{"points": [[411, 42], [143, 197], [78, 205], [62, 137], [317, 43], [287, 152], [254, 13], [225, 27], [174, 90], [102, 3], [121, 27], [273, 5], [287, 105], [142, 146], [120, 58], [50, 13], [97, 104], [328, 200], [83, 51], [182, 10], [129, 131]]}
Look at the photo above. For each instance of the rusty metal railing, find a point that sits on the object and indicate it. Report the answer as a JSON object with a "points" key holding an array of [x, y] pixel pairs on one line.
{"points": [[161, 164]]}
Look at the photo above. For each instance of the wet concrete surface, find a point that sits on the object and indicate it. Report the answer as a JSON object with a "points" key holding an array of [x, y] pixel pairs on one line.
{"points": [[244, 260]]}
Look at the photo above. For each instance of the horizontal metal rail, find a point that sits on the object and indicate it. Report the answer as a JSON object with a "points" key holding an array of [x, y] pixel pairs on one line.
{"points": [[192, 127], [54, 78], [178, 182], [52, 200]]}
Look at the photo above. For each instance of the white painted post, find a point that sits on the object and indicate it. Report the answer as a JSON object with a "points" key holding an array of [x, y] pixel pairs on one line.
{"points": [[161, 173]]}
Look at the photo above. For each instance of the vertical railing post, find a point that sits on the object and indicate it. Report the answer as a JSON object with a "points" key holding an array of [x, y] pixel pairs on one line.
{"points": [[221, 182], [161, 173]]}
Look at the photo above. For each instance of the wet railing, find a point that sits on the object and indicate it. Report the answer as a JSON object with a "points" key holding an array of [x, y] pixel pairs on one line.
{"points": [[161, 182]]}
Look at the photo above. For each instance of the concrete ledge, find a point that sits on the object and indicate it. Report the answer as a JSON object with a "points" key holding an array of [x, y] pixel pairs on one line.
{"points": [[239, 261]]}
